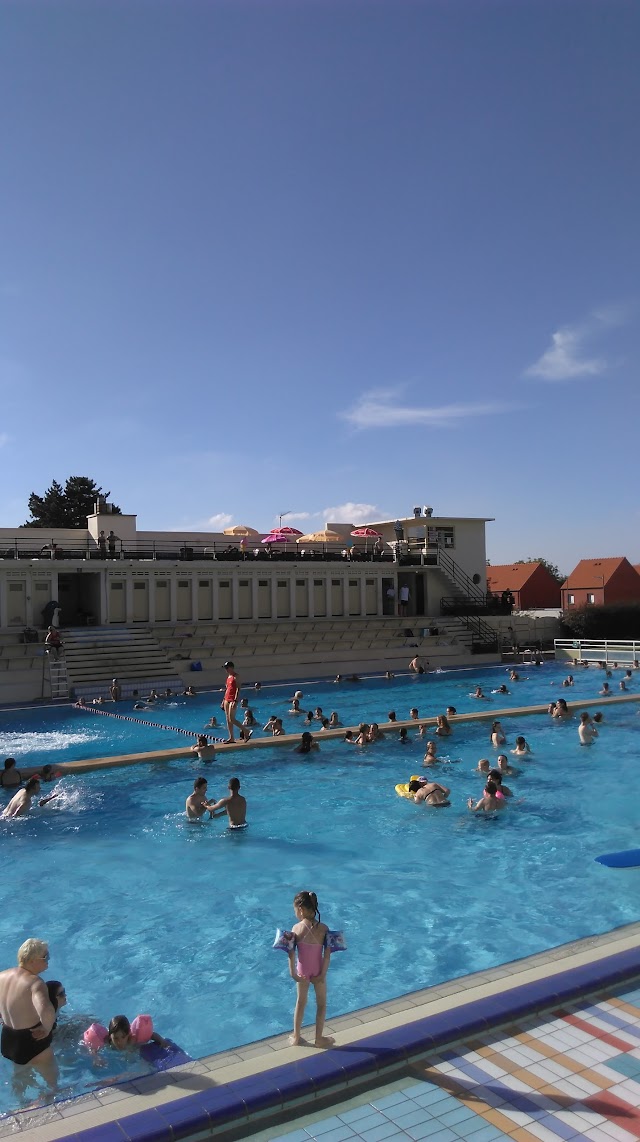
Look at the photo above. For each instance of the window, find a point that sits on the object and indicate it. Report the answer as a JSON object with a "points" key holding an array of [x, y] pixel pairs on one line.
{"points": [[591, 598], [353, 582], [161, 583], [139, 586], [204, 583], [572, 600], [443, 536], [300, 582], [224, 583], [263, 583], [318, 582], [183, 582], [282, 583], [336, 582]]}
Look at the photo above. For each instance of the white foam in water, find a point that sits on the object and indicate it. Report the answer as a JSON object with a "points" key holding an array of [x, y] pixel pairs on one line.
{"points": [[22, 742]]}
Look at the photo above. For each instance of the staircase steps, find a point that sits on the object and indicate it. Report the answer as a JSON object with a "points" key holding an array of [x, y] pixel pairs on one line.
{"points": [[96, 655]]}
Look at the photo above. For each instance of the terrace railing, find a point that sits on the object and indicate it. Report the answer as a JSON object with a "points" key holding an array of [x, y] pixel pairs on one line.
{"points": [[623, 651]]}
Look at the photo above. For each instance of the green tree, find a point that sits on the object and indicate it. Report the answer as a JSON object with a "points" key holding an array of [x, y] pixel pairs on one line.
{"points": [[551, 567], [68, 506]]}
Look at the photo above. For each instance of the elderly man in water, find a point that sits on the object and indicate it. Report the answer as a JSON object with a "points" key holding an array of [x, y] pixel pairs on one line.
{"points": [[27, 1013]]}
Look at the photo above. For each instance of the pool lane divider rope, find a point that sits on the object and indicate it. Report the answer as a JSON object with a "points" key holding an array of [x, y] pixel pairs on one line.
{"points": [[142, 722]]}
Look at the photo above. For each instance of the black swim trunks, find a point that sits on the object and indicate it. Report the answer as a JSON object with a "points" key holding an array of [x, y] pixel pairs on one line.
{"points": [[20, 1046]]}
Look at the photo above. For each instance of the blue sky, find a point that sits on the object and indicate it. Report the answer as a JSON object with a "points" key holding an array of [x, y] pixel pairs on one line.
{"points": [[333, 258]]}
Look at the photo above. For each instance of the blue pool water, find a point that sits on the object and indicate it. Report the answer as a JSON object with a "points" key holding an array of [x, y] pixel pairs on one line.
{"points": [[146, 912], [56, 735]]}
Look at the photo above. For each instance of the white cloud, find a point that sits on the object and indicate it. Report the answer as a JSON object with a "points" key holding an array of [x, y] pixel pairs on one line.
{"points": [[351, 513], [289, 517], [221, 519], [568, 355], [377, 409]]}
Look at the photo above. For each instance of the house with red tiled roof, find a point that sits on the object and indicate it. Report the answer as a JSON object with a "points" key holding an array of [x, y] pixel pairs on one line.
{"points": [[531, 584], [596, 581]]}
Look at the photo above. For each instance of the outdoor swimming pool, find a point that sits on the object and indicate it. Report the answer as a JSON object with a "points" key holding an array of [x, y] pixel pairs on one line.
{"points": [[146, 912], [37, 736]]}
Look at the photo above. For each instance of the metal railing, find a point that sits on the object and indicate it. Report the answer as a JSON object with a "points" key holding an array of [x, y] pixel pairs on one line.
{"points": [[485, 605], [625, 652], [181, 550]]}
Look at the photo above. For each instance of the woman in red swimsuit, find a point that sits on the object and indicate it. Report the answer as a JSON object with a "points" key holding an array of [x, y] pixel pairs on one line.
{"points": [[230, 701]]}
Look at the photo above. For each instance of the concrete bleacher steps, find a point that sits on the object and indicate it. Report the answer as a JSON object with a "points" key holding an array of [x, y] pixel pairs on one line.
{"points": [[96, 655]]}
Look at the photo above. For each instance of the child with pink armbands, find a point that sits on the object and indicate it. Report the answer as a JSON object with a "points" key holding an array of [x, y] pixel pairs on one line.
{"points": [[122, 1035]]}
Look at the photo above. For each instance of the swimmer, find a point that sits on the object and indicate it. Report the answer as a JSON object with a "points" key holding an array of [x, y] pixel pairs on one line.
{"points": [[324, 724], [11, 777], [415, 666], [451, 711], [257, 686], [391, 716], [349, 738], [403, 736], [587, 732], [501, 690], [20, 803], [504, 767], [80, 704], [189, 692], [598, 718], [312, 965], [212, 724], [479, 694], [318, 713], [495, 775], [307, 744], [363, 733], [203, 749], [295, 706], [152, 696], [628, 676], [196, 804], [514, 676], [249, 721], [489, 800], [568, 681], [338, 678], [497, 736], [234, 805], [308, 721], [430, 756], [27, 1014], [334, 721], [605, 691], [622, 684], [121, 1037], [413, 714], [168, 692], [429, 793], [561, 709], [443, 729], [522, 747], [484, 765], [375, 734], [389, 675]]}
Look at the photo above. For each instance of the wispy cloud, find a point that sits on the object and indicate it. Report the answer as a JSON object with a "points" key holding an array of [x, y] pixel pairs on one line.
{"points": [[290, 517], [351, 513], [221, 519], [380, 409], [569, 355]]}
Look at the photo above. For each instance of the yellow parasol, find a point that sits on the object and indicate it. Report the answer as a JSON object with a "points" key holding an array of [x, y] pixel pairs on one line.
{"points": [[240, 529], [321, 537]]}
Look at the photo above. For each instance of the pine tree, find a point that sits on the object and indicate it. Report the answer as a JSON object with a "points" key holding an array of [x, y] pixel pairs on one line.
{"points": [[68, 506]]}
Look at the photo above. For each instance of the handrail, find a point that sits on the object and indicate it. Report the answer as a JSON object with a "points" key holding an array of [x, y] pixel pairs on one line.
{"points": [[460, 577], [182, 550], [601, 649]]}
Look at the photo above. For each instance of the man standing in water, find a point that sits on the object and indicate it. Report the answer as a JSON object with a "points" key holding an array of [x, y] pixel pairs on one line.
{"points": [[230, 701], [235, 806], [27, 1013]]}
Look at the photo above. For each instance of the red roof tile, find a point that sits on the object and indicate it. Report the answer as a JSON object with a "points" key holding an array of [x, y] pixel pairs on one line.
{"points": [[509, 576], [590, 571]]}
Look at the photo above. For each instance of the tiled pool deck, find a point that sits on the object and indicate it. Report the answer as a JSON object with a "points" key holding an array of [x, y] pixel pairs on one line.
{"points": [[545, 1048]]}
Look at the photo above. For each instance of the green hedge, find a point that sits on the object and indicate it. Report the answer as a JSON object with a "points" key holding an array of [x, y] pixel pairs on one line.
{"points": [[613, 621]]}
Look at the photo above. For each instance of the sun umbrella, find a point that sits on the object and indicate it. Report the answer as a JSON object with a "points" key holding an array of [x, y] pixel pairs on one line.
{"points": [[366, 533], [276, 537], [240, 529], [290, 531], [321, 537]]}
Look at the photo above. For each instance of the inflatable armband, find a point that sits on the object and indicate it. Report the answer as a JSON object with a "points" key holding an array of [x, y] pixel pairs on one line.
{"points": [[95, 1036], [285, 941], [142, 1028], [335, 942]]}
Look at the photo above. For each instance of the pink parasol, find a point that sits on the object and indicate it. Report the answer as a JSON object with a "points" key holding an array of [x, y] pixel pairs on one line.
{"points": [[366, 533], [276, 537], [287, 531]]}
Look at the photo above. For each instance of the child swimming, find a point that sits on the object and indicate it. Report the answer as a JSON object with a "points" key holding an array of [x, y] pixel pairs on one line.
{"points": [[311, 967]]}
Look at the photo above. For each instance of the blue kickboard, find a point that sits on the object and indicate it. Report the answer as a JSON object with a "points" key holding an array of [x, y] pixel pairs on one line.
{"points": [[630, 858], [162, 1058]]}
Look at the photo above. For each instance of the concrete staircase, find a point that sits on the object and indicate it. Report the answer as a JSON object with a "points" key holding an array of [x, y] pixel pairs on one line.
{"points": [[96, 655]]}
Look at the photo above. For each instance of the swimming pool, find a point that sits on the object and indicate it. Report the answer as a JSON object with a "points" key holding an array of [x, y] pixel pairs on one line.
{"points": [[47, 734], [145, 912]]}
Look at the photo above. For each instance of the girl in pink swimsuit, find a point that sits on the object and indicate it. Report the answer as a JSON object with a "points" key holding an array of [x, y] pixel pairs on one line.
{"points": [[311, 967]]}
